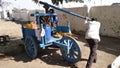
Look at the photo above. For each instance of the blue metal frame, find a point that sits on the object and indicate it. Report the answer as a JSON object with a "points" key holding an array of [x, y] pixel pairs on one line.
{"points": [[67, 47], [43, 43]]}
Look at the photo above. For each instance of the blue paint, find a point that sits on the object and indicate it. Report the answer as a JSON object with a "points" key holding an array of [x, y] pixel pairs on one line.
{"points": [[68, 46], [47, 32]]}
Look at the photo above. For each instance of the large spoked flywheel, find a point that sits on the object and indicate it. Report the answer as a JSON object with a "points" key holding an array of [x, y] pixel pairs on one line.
{"points": [[31, 47], [71, 53]]}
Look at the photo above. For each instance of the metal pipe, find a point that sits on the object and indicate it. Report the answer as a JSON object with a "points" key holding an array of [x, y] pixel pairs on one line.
{"points": [[63, 10]]}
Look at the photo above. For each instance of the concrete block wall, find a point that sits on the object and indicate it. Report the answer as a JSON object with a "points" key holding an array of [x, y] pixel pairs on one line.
{"points": [[109, 16], [22, 16], [31, 18], [76, 23], [25, 16]]}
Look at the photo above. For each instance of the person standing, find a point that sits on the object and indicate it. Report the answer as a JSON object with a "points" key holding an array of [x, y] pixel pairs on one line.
{"points": [[93, 38]]}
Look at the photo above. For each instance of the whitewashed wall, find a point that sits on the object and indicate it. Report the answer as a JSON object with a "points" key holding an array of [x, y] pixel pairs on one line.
{"points": [[109, 16]]}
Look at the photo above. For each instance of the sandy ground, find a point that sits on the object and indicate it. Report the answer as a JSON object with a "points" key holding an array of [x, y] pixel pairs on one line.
{"points": [[13, 55]]}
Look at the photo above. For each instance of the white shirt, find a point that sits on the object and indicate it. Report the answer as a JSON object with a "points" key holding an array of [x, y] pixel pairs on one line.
{"points": [[116, 63], [93, 28]]}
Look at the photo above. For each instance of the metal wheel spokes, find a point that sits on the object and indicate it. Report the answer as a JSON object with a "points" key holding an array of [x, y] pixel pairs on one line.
{"points": [[74, 54], [31, 47]]}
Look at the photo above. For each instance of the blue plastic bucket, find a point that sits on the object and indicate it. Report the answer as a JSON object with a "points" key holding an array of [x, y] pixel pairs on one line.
{"points": [[48, 32]]}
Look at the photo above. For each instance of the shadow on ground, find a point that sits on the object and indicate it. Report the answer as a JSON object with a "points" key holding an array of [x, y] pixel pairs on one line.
{"points": [[107, 44], [14, 50]]}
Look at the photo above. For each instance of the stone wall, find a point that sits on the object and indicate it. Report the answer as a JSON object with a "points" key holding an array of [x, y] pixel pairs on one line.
{"points": [[76, 23], [109, 16]]}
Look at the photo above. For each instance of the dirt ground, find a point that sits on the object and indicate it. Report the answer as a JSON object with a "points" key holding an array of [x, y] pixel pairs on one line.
{"points": [[13, 55]]}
